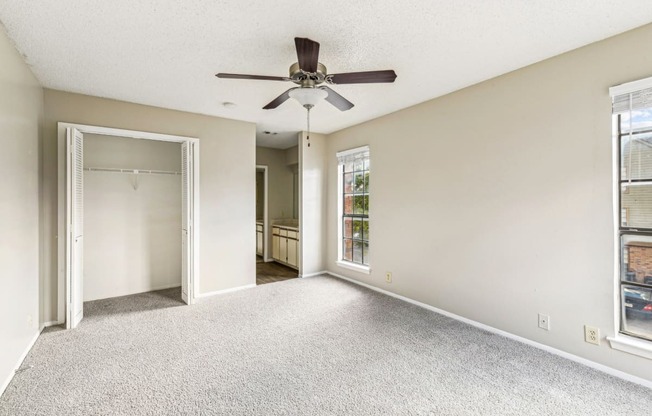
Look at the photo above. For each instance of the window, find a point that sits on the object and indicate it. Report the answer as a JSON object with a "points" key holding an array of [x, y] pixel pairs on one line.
{"points": [[353, 201], [632, 108]]}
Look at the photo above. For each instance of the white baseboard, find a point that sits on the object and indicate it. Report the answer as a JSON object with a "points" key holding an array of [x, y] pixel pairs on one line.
{"points": [[140, 291], [163, 287], [18, 363], [223, 291], [314, 274], [600, 367], [51, 323]]}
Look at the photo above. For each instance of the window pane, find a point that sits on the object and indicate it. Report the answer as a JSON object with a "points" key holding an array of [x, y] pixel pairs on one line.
{"points": [[357, 229], [348, 204], [347, 249], [348, 166], [357, 251], [636, 259], [636, 157], [636, 205], [348, 183], [637, 305], [366, 164], [358, 185], [359, 204], [366, 205], [358, 164], [348, 227], [641, 120], [366, 182], [365, 253], [365, 229]]}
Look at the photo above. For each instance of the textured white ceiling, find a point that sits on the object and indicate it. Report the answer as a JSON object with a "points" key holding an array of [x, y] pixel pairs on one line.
{"points": [[165, 52]]}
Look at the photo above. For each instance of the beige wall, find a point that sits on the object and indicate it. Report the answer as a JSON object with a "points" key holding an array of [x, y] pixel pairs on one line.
{"points": [[292, 160], [495, 202], [21, 112], [279, 181], [227, 183], [132, 223], [292, 155]]}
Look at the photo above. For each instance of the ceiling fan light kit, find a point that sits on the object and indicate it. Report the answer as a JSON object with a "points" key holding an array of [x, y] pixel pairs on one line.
{"points": [[308, 97]]}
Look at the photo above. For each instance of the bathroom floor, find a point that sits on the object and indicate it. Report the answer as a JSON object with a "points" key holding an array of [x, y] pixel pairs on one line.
{"points": [[273, 272]]}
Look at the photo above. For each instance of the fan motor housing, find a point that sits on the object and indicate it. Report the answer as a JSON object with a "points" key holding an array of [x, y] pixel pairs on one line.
{"points": [[307, 79]]}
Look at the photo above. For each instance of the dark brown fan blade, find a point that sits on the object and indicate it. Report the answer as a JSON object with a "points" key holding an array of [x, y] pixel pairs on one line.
{"points": [[337, 100], [258, 77], [363, 77], [279, 100], [308, 53]]}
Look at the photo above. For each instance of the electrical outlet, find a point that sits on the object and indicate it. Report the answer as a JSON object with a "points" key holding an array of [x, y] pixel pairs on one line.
{"points": [[388, 277], [592, 335], [544, 322]]}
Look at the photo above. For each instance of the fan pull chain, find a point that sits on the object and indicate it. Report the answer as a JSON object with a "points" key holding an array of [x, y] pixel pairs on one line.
{"points": [[308, 122]]}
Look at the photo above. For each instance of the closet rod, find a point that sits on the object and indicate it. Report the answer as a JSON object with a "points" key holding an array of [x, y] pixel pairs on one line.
{"points": [[132, 171]]}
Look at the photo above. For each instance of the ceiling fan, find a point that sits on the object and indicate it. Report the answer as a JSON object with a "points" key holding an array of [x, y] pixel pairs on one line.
{"points": [[310, 75]]}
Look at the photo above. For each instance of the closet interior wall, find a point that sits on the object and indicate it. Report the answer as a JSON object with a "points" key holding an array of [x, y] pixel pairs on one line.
{"points": [[132, 221]]}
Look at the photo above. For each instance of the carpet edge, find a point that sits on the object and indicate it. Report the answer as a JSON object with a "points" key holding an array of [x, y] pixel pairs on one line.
{"points": [[572, 357]]}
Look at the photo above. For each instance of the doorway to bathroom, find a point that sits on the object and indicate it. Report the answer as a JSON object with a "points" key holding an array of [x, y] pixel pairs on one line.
{"points": [[277, 214]]}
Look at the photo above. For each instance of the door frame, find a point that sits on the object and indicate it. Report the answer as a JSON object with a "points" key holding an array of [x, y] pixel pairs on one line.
{"points": [[63, 205], [266, 225]]}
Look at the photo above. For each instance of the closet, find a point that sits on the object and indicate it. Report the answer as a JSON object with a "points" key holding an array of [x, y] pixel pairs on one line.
{"points": [[132, 216]]}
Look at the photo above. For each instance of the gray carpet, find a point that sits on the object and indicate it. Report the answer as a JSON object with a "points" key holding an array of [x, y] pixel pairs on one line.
{"points": [[315, 346]]}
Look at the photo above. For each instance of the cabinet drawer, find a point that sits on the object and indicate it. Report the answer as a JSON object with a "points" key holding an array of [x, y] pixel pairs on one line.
{"points": [[259, 228], [293, 234], [283, 232], [276, 230]]}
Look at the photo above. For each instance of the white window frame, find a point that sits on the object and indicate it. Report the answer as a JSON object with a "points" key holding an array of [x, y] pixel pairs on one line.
{"points": [[621, 341], [361, 268]]}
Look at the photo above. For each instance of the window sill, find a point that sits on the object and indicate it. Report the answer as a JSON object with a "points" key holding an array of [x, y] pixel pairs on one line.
{"points": [[355, 267], [631, 345]]}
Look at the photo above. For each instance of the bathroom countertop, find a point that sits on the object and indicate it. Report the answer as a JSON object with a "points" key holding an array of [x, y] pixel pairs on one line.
{"points": [[294, 226], [286, 223]]}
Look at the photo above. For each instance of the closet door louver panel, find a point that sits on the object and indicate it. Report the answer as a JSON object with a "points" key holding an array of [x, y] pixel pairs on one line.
{"points": [[79, 184], [75, 173]]}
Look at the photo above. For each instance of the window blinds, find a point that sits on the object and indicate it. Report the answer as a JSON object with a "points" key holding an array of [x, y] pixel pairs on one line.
{"points": [[637, 100], [351, 155], [632, 96]]}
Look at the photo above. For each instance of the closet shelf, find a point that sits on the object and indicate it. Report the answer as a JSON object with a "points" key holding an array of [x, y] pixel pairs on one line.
{"points": [[134, 171]]}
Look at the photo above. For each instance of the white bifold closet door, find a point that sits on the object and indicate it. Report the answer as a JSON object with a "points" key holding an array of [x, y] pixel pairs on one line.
{"points": [[75, 226], [186, 219]]}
